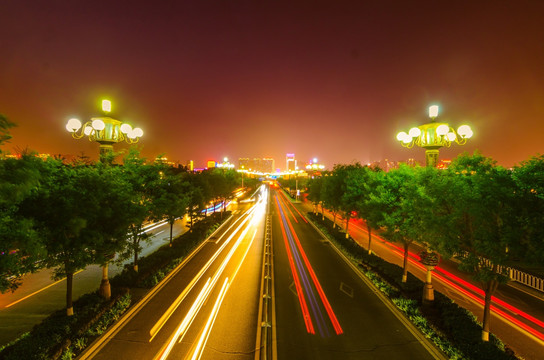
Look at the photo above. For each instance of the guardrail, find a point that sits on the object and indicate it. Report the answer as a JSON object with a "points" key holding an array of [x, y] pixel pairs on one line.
{"points": [[265, 350], [527, 279], [521, 277]]}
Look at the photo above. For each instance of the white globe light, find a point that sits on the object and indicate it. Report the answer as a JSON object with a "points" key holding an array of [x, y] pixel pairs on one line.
{"points": [[414, 132], [464, 130], [401, 135], [126, 128], [132, 135], [73, 125], [407, 139], [451, 136], [442, 129], [88, 130], [469, 134], [138, 132], [98, 124]]}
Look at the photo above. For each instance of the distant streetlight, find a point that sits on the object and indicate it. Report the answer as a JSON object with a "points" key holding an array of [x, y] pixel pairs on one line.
{"points": [[104, 130], [433, 136]]}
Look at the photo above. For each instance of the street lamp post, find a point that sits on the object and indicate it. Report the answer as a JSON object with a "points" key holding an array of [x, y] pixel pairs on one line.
{"points": [[433, 136], [106, 131], [429, 259]]}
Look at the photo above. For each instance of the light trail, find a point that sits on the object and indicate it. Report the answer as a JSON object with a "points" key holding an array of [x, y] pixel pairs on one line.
{"points": [[304, 307], [294, 207], [197, 353], [320, 291], [164, 318], [314, 305], [205, 292]]}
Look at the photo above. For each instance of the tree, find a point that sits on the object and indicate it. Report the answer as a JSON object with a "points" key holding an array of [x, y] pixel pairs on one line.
{"points": [[476, 221], [348, 203], [5, 125], [111, 223], [332, 194], [529, 180], [361, 185], [139, 176], [196, 200], [394, 197], [20, 248], [61, 207], [315, 189], [170, 199]]}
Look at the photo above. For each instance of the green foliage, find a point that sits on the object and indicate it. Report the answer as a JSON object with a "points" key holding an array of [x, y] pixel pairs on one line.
{"points": [[20, 246], [5, 125]]}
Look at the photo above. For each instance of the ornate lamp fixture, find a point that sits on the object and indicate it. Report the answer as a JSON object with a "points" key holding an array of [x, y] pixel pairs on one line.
{"points": [[104, 130], [434, 135]]}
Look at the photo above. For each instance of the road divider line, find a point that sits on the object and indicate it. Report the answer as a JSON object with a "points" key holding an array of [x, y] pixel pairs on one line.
{"points": [[38, 291]]}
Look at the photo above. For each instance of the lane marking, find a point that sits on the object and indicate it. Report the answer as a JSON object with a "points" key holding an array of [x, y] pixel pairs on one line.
{"points": [[38, 291]]}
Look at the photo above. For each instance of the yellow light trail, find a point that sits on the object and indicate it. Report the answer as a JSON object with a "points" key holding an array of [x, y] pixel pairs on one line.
{"points": [[164, 318], [204, 294]]}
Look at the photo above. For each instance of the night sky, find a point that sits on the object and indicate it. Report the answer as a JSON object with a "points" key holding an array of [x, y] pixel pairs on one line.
{"points": [[334, 80]]}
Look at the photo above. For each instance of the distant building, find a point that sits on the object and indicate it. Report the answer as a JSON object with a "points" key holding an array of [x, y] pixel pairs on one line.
{"points": [[210, 164], [190, 165], [290, 162], [262, 165]]}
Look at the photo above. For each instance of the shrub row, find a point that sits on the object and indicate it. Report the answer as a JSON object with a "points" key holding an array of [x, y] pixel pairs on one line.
{"points": [[452, 328], [61, 337]]}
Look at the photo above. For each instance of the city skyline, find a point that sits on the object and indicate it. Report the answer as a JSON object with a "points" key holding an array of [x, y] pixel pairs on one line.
{"points": [[332, 81]]}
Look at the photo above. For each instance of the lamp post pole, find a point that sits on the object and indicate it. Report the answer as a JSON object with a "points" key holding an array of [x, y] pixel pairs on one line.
{"points": [[106, 131]]}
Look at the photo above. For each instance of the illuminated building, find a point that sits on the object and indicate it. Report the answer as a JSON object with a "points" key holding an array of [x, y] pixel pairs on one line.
{"points": [[210, 164], [290, 162]]}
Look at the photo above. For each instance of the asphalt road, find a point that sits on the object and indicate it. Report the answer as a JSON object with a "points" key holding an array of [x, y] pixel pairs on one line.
{"points": [[206, 309], [324, 309]]}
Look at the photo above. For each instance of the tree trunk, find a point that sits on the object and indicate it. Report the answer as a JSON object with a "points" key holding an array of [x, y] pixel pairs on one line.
{"points": [[171, 230], [69, 305], [490, 288], [405, 264], [334, 220], [322, 213], [105, 288], [347, 226], [135, 257], [369, 230]]}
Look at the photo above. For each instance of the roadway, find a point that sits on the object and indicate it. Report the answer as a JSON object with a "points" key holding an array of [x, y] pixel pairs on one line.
{"points": [[326, 310], [207, 308], [39, 295]]}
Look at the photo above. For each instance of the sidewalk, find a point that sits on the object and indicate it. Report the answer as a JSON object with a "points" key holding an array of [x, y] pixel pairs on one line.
{"points": [[517, 312]]}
